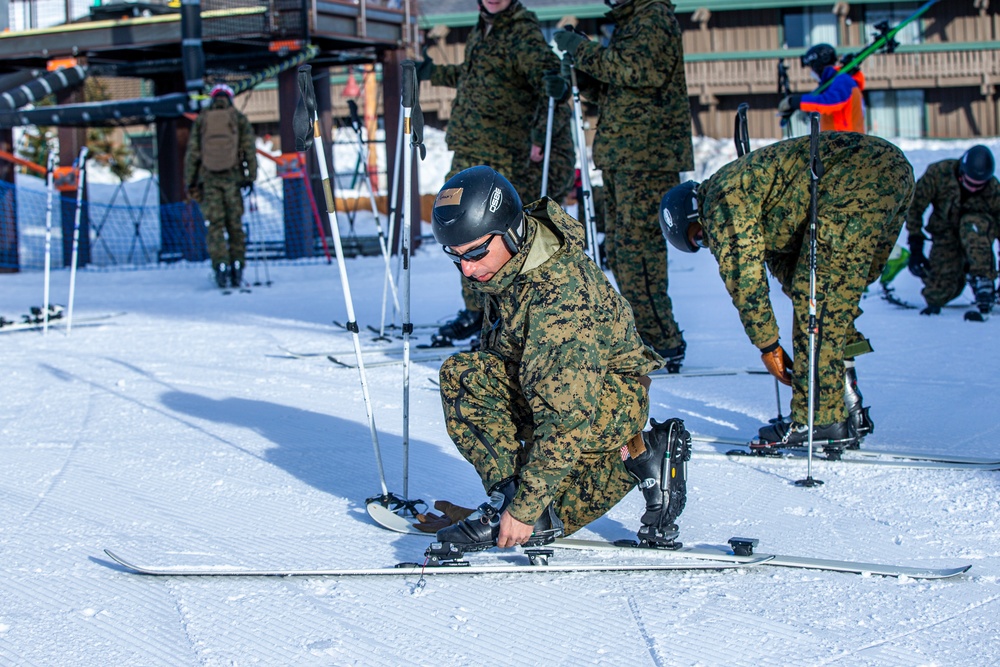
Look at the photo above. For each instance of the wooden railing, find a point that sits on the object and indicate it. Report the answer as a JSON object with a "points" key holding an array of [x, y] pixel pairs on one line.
{"points": [[941, 69]]}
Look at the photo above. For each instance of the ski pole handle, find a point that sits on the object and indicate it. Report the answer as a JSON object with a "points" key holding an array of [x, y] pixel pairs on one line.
{"points": [[305, 111], [409, 83]]}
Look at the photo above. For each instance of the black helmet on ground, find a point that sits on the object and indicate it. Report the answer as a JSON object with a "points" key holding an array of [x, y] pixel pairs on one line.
{"points": [[977, 164], [819, 58], [474, 203], [678, 209]]}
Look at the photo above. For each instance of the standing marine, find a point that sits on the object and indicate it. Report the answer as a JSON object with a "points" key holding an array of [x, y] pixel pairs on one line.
{"points": [[753, 214], [499, 116], [221, 160], [642, 144]]}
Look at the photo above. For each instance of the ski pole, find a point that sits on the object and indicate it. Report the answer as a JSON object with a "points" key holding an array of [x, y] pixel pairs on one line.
{"points": [[50, 188], [815, 173], [263, 256], [306, 118], [393, 215], [80, 180], [382, 241], [413, 126], [587, 205], [548, 146]]}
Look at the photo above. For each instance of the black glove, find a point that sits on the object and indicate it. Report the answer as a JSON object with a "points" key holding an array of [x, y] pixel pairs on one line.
{"points": [[425, 68], [918, 264], [555, 85], [567, 40], [789, 105]]}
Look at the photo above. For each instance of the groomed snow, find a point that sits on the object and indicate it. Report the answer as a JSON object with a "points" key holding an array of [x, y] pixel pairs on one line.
{"points": [[180, 433]]}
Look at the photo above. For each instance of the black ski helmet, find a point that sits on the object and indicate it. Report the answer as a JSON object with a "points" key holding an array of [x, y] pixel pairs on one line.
{"points": [[819, 58], [678, 209], [474, 203], [977, 163]]}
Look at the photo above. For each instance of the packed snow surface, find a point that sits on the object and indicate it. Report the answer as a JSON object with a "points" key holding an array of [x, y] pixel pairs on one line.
{"points": [[181, 432]]}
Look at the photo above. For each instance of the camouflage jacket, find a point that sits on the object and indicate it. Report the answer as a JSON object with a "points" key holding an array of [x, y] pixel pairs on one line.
{"points": [[193, 174], [639, 85], [560, 327], [499, 97], [755, 211], [939, 186]]}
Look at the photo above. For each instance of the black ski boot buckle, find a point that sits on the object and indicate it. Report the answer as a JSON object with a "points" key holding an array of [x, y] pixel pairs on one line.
{"points": [[743, 546]]}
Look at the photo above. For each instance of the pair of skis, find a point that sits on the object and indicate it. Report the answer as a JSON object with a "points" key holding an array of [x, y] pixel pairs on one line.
{"points": [[739, 554]]}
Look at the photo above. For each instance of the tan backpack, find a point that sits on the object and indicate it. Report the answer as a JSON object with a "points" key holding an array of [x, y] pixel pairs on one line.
{"points": [[220, 139]]}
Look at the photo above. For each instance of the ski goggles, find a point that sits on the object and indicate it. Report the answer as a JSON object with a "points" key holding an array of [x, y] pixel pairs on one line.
{"points": [[472, 254], [971, 185]]}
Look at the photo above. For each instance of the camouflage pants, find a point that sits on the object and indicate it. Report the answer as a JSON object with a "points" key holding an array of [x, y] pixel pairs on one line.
{"points": [[953, 256], [490, 422], [851, 252], [222, 207], [636, 253]]}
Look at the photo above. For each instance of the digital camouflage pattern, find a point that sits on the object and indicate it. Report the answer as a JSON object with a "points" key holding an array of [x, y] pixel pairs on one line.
{"points": [[961, 227], [635, 252], [643, 141], [218, 193], [755, 214], [639, 85], [559, 371], [500, 103], [500, 108]]}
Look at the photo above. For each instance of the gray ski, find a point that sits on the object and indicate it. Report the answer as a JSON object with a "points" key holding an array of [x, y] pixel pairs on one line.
{"points": [[866, 455], [706, 372], [537, 563], [744, 546]]}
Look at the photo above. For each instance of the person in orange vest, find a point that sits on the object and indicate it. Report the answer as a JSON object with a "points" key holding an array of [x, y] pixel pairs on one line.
{"points": [[839, 105]]}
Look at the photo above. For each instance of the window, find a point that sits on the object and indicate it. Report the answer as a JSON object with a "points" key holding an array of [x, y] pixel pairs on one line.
{"points": [[810, 26], [895, 113], [893, 15]]}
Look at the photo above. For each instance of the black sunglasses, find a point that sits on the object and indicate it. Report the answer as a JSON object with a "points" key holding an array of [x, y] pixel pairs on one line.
{"points": [[472, 254]]}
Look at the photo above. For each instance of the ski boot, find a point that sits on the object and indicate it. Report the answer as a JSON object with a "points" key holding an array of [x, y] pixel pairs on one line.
{"points": [[221, 276], [674, 356], [983, 289], [236, 274], [465, 324], [833, 438], [479, 531], [661, 474], [856, 413], [931, 310]]}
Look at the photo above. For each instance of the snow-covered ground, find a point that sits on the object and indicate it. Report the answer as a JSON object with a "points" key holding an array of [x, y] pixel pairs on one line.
{"points": [[180, 432]]}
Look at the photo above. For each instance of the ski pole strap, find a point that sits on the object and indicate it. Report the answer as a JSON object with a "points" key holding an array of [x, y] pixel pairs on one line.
{"points": [[815, 163], [352, 107], [740, 133], [411, 100], [305, 110]]}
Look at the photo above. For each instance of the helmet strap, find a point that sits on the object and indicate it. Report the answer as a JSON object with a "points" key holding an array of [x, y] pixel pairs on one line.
{"points": [[513, 238]]}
